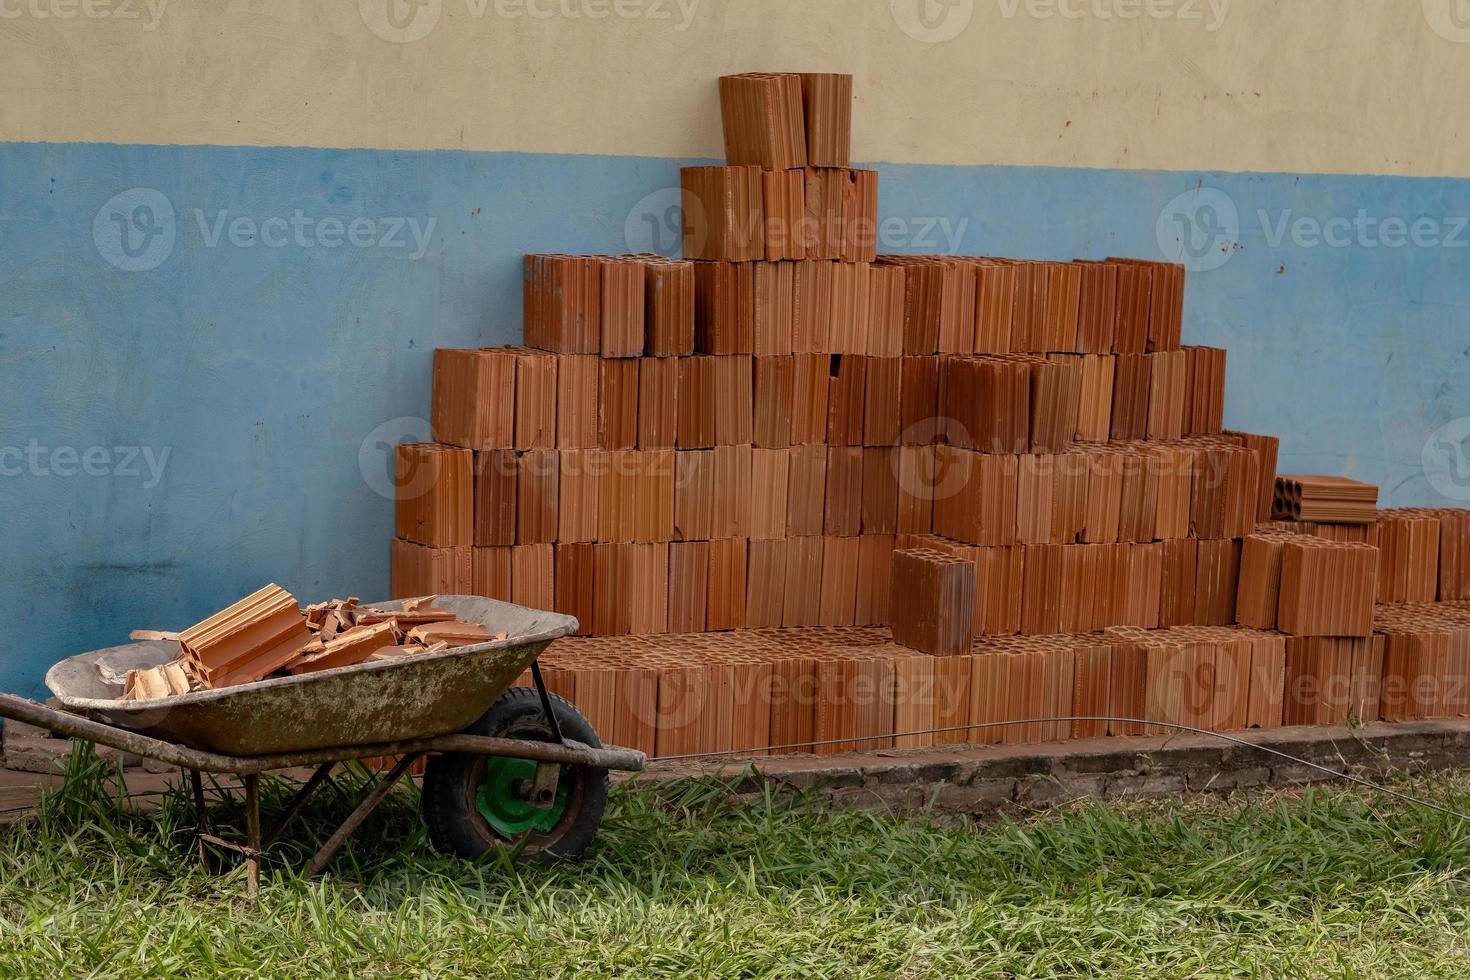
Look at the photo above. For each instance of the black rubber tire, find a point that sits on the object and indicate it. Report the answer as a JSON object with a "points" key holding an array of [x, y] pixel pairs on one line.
{"points": [[451, 780]]}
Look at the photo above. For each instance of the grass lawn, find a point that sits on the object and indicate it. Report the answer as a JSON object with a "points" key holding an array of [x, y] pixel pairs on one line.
{"points": [[1332, 882]]}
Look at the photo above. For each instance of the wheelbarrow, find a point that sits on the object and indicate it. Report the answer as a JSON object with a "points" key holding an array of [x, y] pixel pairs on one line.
{"points": [[512, 768]]}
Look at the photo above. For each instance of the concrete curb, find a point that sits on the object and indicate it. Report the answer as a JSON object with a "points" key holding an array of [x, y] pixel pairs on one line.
{"points": [[980, 780]]}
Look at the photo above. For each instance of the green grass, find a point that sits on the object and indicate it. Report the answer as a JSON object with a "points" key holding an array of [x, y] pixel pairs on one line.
{"points": [[1332, 882]]}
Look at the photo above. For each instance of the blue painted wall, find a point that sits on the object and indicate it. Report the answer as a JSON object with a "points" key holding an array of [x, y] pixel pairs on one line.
{"points": [[174, 436]]}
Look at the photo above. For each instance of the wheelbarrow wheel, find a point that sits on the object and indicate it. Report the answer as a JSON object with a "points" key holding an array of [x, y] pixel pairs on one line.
{"points": [[474, 804]]}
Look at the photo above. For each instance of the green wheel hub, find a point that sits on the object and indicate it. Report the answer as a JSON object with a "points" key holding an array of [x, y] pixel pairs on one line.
{"points": [[501, 798]]}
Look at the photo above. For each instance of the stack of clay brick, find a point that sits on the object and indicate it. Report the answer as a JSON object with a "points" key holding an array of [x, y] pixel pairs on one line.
{"points": [[1319, 581], [1010, 460], [835, 689]]}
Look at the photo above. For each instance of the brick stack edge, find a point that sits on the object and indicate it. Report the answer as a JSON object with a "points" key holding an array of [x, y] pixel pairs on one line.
{"points": [[736, 469]]}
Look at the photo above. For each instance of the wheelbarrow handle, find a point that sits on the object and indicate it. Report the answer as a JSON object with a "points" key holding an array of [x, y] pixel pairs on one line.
{"points": [[570, 753]]}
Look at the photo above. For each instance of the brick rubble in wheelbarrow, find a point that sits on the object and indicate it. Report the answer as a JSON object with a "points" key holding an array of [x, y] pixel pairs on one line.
{"points": [[267, 634]]}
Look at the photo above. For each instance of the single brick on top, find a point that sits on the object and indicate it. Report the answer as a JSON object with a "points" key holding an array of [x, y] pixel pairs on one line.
{"points": [[932, 608]]}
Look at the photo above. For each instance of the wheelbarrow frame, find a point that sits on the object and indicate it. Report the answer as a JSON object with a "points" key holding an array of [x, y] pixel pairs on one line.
{"points": [[80, 722]]}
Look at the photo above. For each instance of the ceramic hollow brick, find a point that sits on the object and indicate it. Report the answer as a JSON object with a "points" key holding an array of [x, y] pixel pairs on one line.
{"points": [[827, 105], [763, 120], [847, 327], [658, 380], [1095, 397], [575, 586], [722, 213], [811, 383], [874, 579], [578, 391], [807, 490], [495, 497], [1055, 402], [474, 398], [843, 511], [435, 494], [732, 504], [1454, 555], [669, 302], [538, 498], [1131, 387], [773, 398], [617, 404], [784, 204], [1267, 449], [1134, 294], [919, 407], [624, 290], [689, 563], [885, 311], [839, 583], [490, 573], [933, 602], [845, 400], [880, 492], [579, 484], [995, 286], [726, 599], [773, 308], [734, 400], [696, 396], [532, 576], [562, 298], [1205, 384], [811, 312], [765, 583], [1096, 307], [769, 492], [1167, 391], [916, 489], [801, 605], [724, 311]]}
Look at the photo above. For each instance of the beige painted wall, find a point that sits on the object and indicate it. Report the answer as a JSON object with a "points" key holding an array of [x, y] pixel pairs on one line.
{"points": [[1280, 85]]}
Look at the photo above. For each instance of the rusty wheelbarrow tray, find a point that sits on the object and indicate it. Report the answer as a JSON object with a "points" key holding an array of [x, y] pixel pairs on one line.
{"points": [[412, 706]]}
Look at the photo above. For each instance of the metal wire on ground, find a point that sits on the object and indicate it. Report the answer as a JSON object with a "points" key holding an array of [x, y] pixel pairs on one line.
{"points": [[1167, 726]]}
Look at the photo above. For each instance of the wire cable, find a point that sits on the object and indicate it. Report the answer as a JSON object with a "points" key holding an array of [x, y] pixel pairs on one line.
{"points": [[1168, 726]]}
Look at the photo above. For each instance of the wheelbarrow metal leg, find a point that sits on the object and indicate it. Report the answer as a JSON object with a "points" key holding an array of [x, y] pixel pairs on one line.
{"points": [[299, 800], [546, 703], [367, 806], [252, 831], [201, 822]]}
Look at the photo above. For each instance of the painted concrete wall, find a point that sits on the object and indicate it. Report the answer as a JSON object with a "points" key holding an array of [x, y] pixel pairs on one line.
{"points": [[214, 325]]}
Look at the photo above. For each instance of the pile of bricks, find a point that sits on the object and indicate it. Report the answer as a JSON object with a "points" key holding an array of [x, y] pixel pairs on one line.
{"points": [[789, 439], [266, 634], [846, 688]]}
